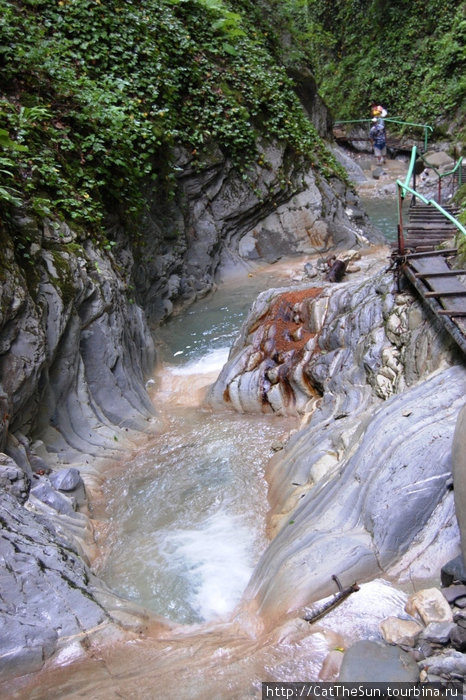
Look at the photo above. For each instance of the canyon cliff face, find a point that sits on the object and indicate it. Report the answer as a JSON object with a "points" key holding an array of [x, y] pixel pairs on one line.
{"points": [[219, 220], [77, 349]]}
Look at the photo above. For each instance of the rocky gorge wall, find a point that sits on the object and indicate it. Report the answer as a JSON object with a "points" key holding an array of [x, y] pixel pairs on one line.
{"points": [[76, 351], [220, 220]]}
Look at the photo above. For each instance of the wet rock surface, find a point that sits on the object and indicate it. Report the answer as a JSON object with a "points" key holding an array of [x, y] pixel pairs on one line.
{"points": [[333, 345], [218, 222], [366, 375], [374, 662], [73, 358], [46, 590], [76, 350], [341, 521], [74, 353]]}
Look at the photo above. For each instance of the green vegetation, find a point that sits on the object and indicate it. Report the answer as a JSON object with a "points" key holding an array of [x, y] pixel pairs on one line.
{"points": [[96, 93], [410, 55]]}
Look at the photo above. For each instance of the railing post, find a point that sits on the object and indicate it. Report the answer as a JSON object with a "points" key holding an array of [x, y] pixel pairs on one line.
{"points": [[401, 240]]}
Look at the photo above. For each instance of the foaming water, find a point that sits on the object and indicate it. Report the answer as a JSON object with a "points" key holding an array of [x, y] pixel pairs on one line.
{"points": [[212, 361], [187, 516], [215, 558], [186, 520]]}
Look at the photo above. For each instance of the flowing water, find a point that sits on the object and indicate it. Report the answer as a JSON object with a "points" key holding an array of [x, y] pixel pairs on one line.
{"points": [[187, 515], [185, 519]]}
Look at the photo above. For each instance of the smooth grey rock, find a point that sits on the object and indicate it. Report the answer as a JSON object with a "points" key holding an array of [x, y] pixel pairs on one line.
{"points": [[341, 525], [458, 638], [17, 452], [451, 593], [453, 570], [66, 479], [353, 168], [439, 160], [367, 661], [459, 475], [23, 647], [438, 632], [38, 465], [46, 590], [44, 492], [216, 222], [446, 663], [78, 316]]}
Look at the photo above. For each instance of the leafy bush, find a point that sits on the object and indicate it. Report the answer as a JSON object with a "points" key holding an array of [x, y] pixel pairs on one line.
{"points": [[409, 55], [95, 94]]}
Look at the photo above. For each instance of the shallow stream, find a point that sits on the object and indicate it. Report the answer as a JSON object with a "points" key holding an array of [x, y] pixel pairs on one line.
{"points": [[185, 527], [187, 515]]}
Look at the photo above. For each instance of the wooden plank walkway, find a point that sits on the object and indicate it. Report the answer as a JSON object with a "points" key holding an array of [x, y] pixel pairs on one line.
{"points": [[427, 228], [431, 271], [442, 288]]}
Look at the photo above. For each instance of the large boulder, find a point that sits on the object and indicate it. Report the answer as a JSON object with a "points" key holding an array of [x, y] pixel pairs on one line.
{"points": [[459, 475], [391, 476], [339, 347]]}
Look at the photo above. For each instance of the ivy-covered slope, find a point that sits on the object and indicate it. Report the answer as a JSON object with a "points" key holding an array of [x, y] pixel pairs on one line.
{"points": [[408, 54], [95, 94]]}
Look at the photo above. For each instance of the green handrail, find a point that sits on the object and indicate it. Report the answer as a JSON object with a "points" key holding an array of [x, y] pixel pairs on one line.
{"points": [[449, 172], [393, 120], [426, 128], [435, 204], [403, 188]]}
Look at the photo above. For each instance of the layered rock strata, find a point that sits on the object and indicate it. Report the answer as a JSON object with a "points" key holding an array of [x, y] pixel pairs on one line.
{"points": [[76, 350], [367, 476], [219, 220]]}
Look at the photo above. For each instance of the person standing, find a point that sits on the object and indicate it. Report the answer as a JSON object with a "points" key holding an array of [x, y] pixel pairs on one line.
{"points": [[378, 140]]}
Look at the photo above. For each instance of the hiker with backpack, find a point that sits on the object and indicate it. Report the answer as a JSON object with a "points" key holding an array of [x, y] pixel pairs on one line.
{"points": [[378, 139]]}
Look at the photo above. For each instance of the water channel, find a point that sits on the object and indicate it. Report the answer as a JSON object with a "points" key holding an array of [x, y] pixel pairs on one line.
{"points": [[186, 526], [187, 515]]}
